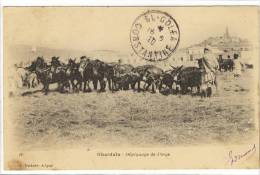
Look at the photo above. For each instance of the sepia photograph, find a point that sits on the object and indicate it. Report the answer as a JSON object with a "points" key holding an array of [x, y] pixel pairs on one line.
{"points": [[130, 88]]}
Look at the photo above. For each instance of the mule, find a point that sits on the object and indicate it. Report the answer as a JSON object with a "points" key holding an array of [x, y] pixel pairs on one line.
{"points": [[48, 74]]}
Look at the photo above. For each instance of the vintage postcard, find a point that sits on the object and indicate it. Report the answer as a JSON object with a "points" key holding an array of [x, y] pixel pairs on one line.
{"points": [[131, 88]]}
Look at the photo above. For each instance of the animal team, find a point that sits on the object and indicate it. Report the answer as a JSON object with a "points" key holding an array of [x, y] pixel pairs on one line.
{"points": [[77, 76]]}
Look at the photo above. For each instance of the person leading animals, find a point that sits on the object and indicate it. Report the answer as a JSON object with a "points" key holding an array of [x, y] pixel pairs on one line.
{"points": [[211, 66]]}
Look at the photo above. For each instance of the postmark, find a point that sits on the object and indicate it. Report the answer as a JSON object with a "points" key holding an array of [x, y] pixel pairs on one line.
{"points": [[154, 35]]}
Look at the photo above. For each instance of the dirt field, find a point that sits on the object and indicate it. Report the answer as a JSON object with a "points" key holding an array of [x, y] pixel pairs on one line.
{"points": [[136, 119]]}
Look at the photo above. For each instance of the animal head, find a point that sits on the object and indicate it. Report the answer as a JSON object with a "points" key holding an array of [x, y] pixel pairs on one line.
{"points": [[83, 57], [98, 67], [39, 63], [201, 63], [55, 61], [84, 62], [176, 71], [72, 63]]}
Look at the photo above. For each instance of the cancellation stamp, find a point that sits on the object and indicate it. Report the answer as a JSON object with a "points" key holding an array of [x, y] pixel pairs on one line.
{"points": [[154, 35]]}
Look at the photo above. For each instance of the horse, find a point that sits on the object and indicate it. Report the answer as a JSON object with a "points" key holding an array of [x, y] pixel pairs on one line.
{"points": [[122, 76], [73, 74], [110, 75], [152, 77], [49, 74], [137, 76], [225, 64], [169, 77], [202, 77], [92, 70]]}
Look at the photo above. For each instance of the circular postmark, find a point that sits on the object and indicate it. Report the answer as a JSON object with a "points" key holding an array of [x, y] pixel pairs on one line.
{"points": [[154, 35]]}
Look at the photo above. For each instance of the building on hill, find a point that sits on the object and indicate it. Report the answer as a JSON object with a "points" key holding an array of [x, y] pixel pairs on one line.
{"points": [[228, 43], [225, 45]]}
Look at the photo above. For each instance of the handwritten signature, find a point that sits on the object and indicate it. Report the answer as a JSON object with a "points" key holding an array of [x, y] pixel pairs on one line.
{"points": [[233, 158]]}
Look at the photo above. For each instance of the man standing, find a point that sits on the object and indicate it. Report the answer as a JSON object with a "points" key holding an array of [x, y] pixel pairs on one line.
{"points": [[211, 60], [211, 66], [237, 66]]}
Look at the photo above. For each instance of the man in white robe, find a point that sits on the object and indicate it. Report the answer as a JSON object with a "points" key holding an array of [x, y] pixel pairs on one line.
{"points": [[237, 66], [211, 66]]}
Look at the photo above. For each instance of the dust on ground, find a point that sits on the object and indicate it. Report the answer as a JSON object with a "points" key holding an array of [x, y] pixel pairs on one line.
{"points": [[136, 119]]}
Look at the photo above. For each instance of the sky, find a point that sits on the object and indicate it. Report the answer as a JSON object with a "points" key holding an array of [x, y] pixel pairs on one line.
{"points": [[108, 28]]}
